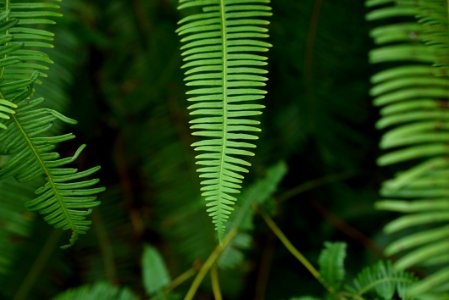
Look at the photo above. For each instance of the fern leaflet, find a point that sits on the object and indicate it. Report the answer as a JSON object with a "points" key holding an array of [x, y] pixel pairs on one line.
{"points": [[6, 109], [331, 262]]}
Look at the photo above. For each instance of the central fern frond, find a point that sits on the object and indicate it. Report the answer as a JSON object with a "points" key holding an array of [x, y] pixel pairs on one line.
{"points": [[223, 42]]}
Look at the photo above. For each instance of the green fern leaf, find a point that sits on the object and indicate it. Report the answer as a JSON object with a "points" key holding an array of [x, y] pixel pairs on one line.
{"points": [[223, 43], [331, 262], [382, 280], [155, 273], [413, 95], [26, 36], [67, 197]]}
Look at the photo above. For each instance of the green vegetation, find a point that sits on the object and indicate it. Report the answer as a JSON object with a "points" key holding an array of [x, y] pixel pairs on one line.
{"points": [[224, 149]]}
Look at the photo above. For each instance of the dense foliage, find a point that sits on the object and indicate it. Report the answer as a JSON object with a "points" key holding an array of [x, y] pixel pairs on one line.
{"points": [[302, 221]]}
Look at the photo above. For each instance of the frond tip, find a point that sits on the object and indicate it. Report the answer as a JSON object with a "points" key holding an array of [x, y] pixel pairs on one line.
{"points": [[67, 197], [221, 51]]}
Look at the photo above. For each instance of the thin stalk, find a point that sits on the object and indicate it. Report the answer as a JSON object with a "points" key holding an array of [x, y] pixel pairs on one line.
{"points": [[295, 252], [215, 281], [178, 281], [265, 266], [224, 44], [208, 264], [316, 183]]}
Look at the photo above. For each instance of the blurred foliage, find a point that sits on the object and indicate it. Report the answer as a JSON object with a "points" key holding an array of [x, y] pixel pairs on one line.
{"points": [[121, 79]]}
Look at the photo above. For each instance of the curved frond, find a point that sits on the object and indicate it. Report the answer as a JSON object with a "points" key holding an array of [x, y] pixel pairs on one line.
{"points": [[413, 94], [224, 59], [66, 197]]}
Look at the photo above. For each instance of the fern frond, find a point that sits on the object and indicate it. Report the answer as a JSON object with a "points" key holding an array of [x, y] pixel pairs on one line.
{"points": [[382, 280], [413, 95], [223, 43], [67, 197], [27, 37]]}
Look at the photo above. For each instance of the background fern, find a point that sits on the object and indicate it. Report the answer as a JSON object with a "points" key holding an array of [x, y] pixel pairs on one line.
{"points": [[413, 95], [379, 281], [65, 198]]}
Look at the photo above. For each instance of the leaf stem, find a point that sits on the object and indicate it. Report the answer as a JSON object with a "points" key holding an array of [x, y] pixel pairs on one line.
{"points": [[316, 183], [215, 283], [224, 41], [208, 264], [295, 252], [181, 279]]}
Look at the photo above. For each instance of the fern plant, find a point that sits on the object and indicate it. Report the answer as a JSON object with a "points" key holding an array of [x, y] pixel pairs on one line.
{"points": [[66, 197], [129, 219], [383, 281], [379, 281], [413, 95], [155, 278], [223, 54]]}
